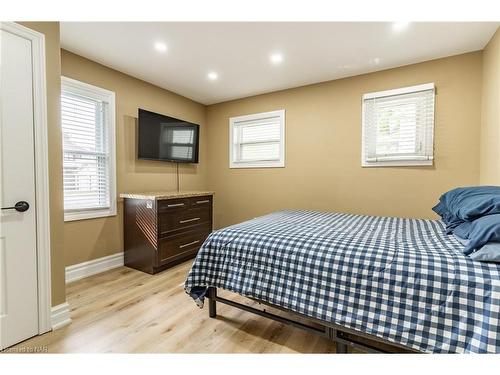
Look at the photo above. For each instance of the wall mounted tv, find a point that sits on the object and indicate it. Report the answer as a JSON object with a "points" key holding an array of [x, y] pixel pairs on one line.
{"points": [[167, 138]]}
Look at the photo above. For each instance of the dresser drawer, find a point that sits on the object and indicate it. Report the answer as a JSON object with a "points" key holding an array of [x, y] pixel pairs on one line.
{"points": [[200, 202], [181, 246], [173, 205], [176, 221]]}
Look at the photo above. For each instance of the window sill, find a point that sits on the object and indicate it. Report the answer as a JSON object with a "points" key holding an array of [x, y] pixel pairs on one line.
{"points": [[90, 214], [398, 163], [277, 164]]}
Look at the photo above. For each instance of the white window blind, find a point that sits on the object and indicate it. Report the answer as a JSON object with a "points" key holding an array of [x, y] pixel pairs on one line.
{"points": [[257, 140], [398, 127], [87, 119]]}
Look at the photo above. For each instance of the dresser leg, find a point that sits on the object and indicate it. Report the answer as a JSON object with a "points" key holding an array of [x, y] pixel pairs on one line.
{"points": [[212, 307], [341, 348]]}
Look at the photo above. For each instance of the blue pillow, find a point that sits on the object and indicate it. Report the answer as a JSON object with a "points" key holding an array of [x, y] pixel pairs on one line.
{"points": [[463, 230], [452, 222], [440, 209], [488, 253], [449, 219], [463, 241], [469, 203], [483, 230]]}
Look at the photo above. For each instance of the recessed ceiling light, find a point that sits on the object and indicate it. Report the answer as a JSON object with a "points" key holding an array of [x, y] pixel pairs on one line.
{"points": [[375, 61], [161, 47], [276, 58], [400, 26], [212, 76]]}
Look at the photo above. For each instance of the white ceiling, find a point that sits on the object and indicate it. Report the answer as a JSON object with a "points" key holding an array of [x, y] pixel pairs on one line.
{"points": [[239, 52]]}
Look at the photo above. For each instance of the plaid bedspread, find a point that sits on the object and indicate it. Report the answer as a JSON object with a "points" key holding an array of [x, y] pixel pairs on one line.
{"points": [[403, 280]]}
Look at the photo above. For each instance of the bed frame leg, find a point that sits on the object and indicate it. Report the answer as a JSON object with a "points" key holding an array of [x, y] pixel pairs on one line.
{"points": [[212, 307], [341, 347]]}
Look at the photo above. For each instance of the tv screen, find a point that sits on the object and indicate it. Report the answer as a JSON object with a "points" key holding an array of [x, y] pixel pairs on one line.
{"points": [[167, 138]]}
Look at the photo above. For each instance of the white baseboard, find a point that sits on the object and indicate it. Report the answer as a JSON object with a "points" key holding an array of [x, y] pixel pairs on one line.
{"points": [[60, 316], [92, 267]]}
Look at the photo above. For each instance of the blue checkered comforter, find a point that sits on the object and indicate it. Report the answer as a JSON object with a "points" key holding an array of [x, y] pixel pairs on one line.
{"points": [[403, 280]]}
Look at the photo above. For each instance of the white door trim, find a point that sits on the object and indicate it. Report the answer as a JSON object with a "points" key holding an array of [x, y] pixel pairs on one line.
{"points": [[41, 169]]}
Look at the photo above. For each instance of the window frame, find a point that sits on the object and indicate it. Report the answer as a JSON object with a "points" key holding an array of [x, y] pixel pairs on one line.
{"points": [[97, 93], [280, 163], [404, 161]]}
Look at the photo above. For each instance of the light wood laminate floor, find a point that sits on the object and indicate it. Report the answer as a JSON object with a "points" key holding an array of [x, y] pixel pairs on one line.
{"points": [[127, 311]]}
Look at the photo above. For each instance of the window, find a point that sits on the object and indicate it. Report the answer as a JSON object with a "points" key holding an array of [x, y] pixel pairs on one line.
{"points": [[179, 142], [257, 140], [88, 130], [398, 127]]}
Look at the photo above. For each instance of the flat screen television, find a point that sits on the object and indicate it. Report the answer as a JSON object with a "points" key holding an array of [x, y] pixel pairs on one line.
{"points": [[167, 138]]}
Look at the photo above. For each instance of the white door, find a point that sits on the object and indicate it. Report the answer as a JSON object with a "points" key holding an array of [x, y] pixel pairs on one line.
{"points": [[18, 253]]}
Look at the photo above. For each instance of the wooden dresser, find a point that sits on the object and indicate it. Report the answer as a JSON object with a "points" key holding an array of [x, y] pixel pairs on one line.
{"points": [[165, 228]]}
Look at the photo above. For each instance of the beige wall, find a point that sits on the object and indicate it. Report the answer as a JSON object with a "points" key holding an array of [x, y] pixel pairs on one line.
{"points": [[53, 76], [490, 124], [89, 239], [323, 147]]}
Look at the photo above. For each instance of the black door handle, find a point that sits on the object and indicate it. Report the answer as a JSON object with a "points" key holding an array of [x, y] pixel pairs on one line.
{"points": [[20, 206]]}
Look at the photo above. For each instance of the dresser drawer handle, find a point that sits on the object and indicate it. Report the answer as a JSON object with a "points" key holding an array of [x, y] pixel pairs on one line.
{"points": [[189, 244], [201, 202], [175, 205], [189, 220]]}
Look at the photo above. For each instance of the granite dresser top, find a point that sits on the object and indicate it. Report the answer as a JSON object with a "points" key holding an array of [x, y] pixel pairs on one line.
{"points": [[159, 195]]}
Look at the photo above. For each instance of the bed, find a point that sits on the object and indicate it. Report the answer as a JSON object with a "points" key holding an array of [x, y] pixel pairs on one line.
{"points": [[400, 283]]}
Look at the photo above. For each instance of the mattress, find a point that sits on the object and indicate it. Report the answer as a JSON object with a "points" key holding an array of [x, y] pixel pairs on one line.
{"points": [[402, 280]]}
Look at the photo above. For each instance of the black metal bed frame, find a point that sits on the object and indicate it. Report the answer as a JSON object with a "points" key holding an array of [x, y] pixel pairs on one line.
{"points": [[342, 336]]}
